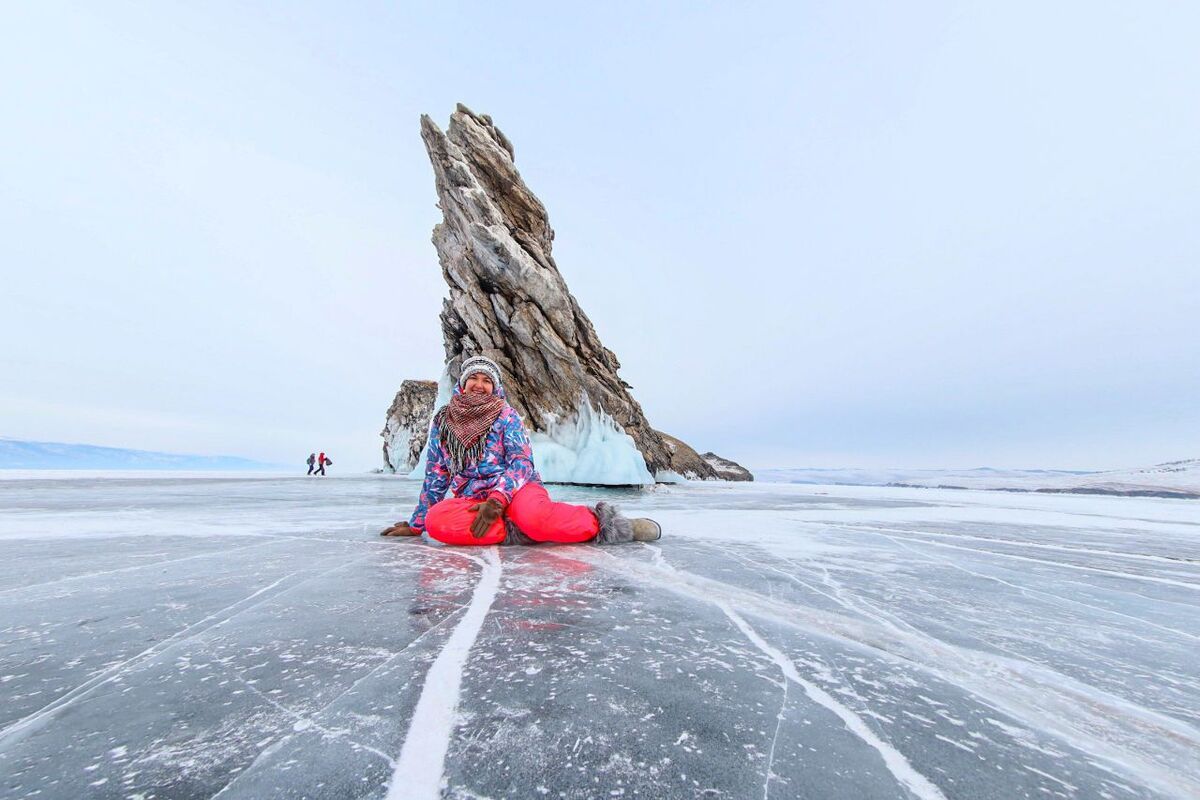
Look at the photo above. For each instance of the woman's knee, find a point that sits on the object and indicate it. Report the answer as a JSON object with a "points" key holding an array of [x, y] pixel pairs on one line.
{"points": [[528, 506], [449, 522], [446, 518]]}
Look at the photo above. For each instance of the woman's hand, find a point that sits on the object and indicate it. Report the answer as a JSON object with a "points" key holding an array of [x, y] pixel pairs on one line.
{"points": [[489, 511], [400, 529]]}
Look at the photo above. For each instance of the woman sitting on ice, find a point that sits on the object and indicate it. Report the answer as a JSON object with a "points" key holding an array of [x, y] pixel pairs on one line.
{"points": [[478, 449]]}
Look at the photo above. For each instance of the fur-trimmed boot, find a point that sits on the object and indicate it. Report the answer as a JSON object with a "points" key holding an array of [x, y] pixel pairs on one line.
{"points": [[616, 528]]}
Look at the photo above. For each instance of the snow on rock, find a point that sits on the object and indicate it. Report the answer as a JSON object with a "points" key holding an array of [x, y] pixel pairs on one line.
{"points": [[407, 425], [690, 465], [726, 469], [1173, 477], [445, 388]]}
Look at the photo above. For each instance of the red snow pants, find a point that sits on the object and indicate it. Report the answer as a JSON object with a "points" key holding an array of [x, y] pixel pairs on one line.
{"points": [[531, 509]]}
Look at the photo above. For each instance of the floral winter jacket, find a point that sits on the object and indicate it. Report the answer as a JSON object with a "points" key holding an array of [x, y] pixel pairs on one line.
{"points": [[505, 466]]}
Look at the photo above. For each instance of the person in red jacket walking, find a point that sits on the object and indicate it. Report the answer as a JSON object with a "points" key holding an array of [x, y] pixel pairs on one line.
{"points": [[322, 461], [478, 450]]}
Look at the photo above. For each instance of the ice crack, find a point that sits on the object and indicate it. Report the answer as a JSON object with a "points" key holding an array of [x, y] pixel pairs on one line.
{"points": [[421, 764]]}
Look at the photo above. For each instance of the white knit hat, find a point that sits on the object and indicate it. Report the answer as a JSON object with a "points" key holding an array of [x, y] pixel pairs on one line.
{"points": [[480, 364]]}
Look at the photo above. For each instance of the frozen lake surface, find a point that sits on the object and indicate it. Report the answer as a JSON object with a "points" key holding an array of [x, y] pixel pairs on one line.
{"points": [[252, 637]]}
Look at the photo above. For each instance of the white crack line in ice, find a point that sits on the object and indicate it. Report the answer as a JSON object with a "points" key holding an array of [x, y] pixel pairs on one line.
{"points": [[421, 765], [874, 613], [131, 568], [432, 551], [893, 759], [110, 673], [304, 722], [1091, 719], [1107, 517], [271, 748], [775, 740], [1026, 590], [1063, 548], [871, 611], [1112, 573], [387, 662], [307, 720], [275, 746], [13, 731]]}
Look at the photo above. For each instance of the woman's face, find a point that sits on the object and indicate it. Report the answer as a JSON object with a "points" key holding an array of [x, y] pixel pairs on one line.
{"points": [[479, 382]]}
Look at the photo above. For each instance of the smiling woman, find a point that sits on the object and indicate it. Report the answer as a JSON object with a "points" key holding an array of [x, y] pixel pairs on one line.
{"points": [[479, 382], [479, 450]]}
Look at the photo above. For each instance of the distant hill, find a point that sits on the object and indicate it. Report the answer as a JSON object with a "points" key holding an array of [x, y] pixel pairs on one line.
{"points": [[1180, 478], [979, 478], [1173, 479], [18, 454]]}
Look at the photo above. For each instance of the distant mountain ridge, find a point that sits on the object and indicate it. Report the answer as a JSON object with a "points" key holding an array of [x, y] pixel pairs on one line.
{"points": [[867, 476], [20, 454], [1171, 479]]}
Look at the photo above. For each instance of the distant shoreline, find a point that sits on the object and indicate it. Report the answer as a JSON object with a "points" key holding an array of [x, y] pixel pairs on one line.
{"points": [[37, 455], [1177, 494]]}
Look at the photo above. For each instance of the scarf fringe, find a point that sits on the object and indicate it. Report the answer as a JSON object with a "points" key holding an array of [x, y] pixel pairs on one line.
{"points": [[461, 455]]}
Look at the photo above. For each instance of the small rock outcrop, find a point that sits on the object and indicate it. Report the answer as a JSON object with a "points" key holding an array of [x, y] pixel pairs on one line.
{"points": [[509, 301], [727, 470], [687, 462], [407, 425]]}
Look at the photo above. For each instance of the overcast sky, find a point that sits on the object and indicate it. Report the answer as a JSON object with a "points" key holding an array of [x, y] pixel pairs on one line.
{"points": [[815, 234]]}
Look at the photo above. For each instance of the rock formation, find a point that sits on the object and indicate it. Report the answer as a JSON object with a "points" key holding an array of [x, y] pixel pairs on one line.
{"points": [[693, 466], [726, 469], [407, 426], [509, 302]]}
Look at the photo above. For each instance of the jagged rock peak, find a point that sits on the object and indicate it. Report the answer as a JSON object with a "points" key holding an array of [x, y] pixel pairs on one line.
{"points": [[486, 122], [509, 301]]}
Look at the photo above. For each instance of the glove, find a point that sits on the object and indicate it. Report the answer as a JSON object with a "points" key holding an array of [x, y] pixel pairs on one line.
{"points": [[400, 529], [489, 511]]}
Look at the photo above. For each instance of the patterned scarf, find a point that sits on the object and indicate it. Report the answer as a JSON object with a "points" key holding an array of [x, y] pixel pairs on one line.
{"points": [[465, 423]]}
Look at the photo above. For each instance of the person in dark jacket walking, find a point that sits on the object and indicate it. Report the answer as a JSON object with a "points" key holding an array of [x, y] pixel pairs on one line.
{"points": [[312, 460], [478, 450]]}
